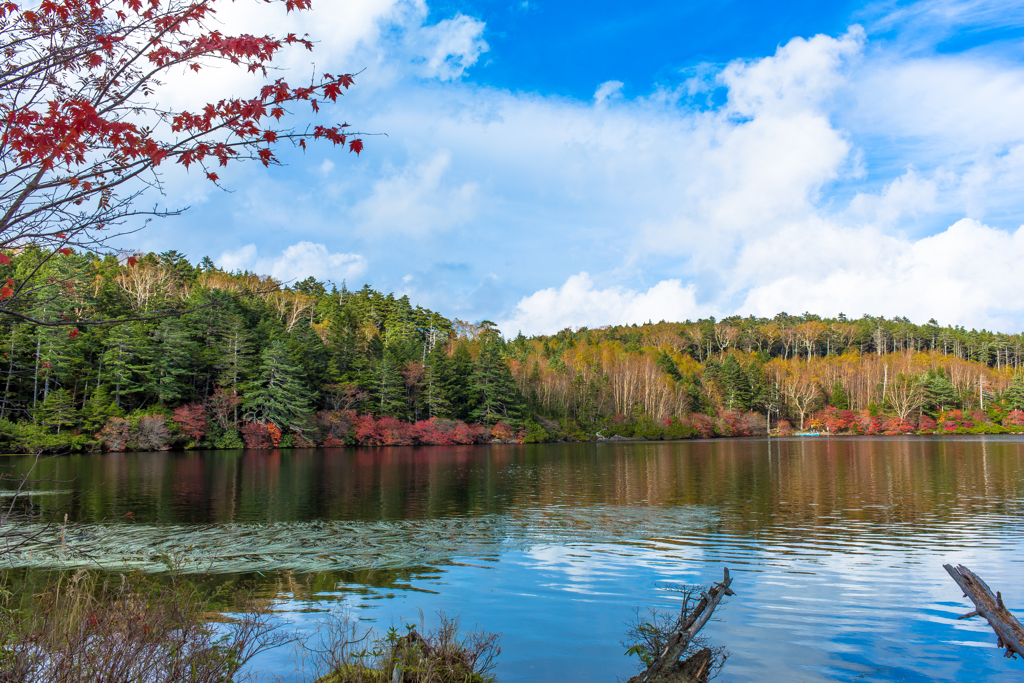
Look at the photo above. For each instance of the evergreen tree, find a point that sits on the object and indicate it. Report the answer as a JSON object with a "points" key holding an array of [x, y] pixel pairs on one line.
{"points": [[735, 384], [98, 409], [388, 389], [940, 394], [493, 387], [458, 384], [437, 371], [168, 362], [838, 397], [278, 393], [1014, 394], [58, 410]]}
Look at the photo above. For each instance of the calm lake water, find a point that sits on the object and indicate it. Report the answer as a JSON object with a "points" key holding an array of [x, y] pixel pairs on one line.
{"points": [[836, 545]]}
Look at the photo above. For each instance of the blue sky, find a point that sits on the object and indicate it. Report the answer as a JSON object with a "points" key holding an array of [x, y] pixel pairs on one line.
{"points": [[564, 164]]}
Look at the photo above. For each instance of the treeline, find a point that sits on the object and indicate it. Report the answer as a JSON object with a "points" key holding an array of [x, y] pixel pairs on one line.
{"points": [[656, 371], [169, 354]]}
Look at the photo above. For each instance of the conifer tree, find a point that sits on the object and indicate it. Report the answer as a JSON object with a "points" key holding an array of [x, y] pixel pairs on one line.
{"points": [[494, 389], [58, 410], [278, 393]]}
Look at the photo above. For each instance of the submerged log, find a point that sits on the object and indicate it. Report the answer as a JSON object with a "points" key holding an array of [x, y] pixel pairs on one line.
{"points": [[1009, 632], [695, 669]]}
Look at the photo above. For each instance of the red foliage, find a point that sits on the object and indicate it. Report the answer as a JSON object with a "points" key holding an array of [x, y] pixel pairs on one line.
{"points": [[275, 433], [502, 433], [867, 423], [926, 424], [92, 67], [394, 432], [894, 425], [1014, 418], [364, 427], [115, 434], [784, 428], [334, 426], [192, 420], [833, 420], [702, 424], [256, 435]]}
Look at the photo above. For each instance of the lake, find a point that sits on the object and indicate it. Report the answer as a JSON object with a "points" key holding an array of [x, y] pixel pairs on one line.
{"points": [[836, 545]]}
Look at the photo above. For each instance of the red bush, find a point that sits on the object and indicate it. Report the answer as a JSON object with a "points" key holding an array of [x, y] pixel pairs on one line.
{"points": [[256, 435], [894, 425], [867, 423], [364, 427], [702, 424], [925, 424], [1014, 418], [191, 420], [502, 433], [333, 426], [115, 434], [784, 428]]}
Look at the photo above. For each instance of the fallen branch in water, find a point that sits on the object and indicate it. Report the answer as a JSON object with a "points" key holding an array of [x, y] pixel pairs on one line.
{"points": [[696, 668], [1008, 630]]}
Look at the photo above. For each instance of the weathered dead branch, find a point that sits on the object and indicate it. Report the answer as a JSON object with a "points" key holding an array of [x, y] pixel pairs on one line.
{"points": [[1009, 632], [666, 667]]}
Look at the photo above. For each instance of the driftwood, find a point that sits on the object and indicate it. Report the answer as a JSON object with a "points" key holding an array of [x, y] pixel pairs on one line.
{"points": [[667, 668], [1009, 632]]}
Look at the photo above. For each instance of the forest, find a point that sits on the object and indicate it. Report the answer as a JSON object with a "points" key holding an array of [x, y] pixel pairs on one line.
{"points": [[150, 352]]}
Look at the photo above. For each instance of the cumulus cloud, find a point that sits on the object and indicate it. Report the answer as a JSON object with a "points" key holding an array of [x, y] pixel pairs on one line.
{"points": [[296, 262], [578, 303], [417, 200], [833, 176]]}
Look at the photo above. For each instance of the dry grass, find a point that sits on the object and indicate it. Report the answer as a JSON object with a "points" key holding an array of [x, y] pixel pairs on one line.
{"points": [[346, 654], [128, 628]]}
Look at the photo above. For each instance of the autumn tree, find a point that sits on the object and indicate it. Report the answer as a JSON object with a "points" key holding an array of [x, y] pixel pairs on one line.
{"points": [[85, 129]]}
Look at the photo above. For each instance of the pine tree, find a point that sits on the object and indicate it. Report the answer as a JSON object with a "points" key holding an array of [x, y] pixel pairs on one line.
{"points": [[436, 376], [735, 384], [169, 362], [1014, 394], [388, 387], [939, 392], [458, 384], [493, 387], [58, 410], [278, 394]]}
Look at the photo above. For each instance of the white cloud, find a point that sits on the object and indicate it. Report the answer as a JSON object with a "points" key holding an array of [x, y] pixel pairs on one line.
{"points": [[296, 262], [417, 200], [577, 303], [607, 91], [814, 186], [450, 47]]}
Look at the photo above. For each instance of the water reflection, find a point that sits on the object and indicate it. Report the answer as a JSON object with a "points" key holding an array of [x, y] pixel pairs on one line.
{"points": [[837, 543]]}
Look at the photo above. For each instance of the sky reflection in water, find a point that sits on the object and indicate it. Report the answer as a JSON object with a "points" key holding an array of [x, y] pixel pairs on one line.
{"points": [[837, 545]]}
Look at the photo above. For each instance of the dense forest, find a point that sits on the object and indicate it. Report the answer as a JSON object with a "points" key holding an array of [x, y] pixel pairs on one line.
{"points": [[152, 352]]}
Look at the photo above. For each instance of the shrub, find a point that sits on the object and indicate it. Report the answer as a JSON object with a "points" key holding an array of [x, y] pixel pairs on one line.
{"points": [[256, 435], [151, 434], [502, 433], [703, 425], [115, 434], [192, 421], [89, 627], [1015, 418], [784, 428]]}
